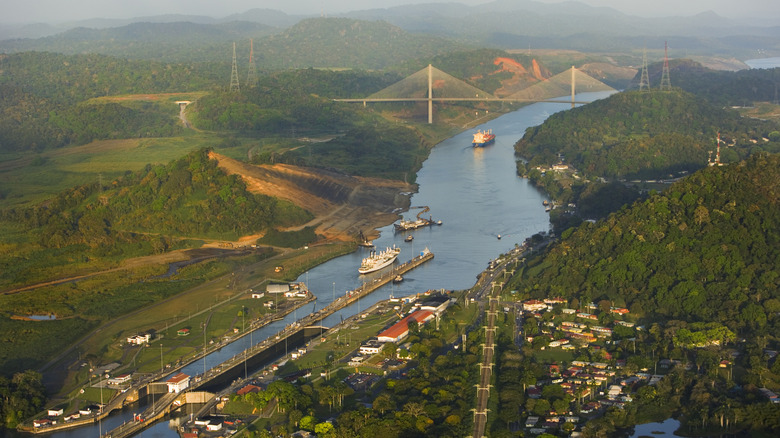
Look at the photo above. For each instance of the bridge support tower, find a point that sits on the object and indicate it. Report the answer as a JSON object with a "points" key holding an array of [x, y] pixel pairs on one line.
{"points": [[430, 94]]}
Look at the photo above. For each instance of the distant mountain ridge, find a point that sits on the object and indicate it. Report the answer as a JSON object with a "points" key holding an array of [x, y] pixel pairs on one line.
{"points": [[502, 24]]}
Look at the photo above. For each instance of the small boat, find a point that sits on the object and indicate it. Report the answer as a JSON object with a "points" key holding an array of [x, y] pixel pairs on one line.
{"points": [[499, 237], [409, 238], [398, 278]]}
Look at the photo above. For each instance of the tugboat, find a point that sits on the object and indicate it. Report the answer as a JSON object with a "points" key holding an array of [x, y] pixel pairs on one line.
{"points": [[398, 278], [364, 242], [409, 238], [483, 138]]}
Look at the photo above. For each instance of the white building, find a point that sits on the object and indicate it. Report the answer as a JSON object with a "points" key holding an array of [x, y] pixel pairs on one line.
{"points": [[371, 347], [143, 338], [178, 383]]}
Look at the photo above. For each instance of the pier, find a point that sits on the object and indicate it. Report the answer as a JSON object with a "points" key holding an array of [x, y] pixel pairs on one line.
{"points": [[378, 282]]}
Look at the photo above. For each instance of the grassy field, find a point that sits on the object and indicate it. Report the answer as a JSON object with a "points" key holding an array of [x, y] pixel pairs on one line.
{"points": [[217, 302]]}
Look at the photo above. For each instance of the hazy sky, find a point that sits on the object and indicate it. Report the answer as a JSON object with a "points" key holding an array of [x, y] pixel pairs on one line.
{"points": [[56, 11]]}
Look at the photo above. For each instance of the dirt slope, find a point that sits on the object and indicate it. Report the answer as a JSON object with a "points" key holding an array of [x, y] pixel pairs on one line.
{"points": [[343, 205]]}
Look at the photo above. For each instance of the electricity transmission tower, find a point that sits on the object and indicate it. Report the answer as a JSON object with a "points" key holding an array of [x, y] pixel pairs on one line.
{"points": [[644, 81], [251, 76], [666, 83], [234, 74]]}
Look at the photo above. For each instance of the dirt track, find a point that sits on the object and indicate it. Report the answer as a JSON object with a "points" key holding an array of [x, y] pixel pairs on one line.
{"points": [[343, 205]]}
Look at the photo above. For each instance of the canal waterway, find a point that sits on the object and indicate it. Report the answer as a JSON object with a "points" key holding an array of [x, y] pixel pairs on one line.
{"points": [[763, 62], [477, 195]]}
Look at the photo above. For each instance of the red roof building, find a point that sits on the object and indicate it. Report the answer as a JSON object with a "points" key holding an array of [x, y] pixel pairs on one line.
{"points": [[249, 388], [178, 383], [400, 329]]}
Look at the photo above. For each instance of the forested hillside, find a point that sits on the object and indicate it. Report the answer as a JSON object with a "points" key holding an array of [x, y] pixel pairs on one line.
{"points": [[44, 98], [315, 42], [297, 101], [178, 42], [721, 88], [91, 227], [704, 250], [383, 151], [646, 135], [487, 69]]}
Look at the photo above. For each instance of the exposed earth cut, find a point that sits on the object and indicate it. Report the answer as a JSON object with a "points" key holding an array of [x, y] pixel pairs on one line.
{"points": [[343, 205]]}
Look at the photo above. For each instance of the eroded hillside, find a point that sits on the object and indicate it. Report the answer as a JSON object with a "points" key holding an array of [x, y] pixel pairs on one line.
{"points": [[343, 205]]}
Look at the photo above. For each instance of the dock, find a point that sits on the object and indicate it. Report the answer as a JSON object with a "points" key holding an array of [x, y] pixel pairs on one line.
{"points": [[420, 222], [401, 269]]}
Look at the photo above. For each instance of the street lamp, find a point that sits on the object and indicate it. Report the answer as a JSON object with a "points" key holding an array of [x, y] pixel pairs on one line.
{"points": [[162, 368]]}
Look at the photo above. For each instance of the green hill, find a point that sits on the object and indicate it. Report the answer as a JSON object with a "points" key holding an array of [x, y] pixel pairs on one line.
{"points": [[92, 227], [704, 250], [346, 43], [647, 135], [315, 42], [729, 88]]}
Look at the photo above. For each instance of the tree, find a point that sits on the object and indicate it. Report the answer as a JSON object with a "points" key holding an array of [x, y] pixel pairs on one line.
{"points": [[389, 349], [308, 423], [383, 403], [323, 429]]}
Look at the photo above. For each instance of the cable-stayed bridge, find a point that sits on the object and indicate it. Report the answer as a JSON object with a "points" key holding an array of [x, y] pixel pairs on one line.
{"points": [[433, 85]]}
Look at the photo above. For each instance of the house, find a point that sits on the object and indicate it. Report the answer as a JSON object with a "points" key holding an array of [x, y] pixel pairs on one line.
{"points": [[214, 426], [249, 388], [43, 422], [178, 383], [400, 330], [120, 379], [770, 395], [553, 301], [143, 338], [531, 421], [372, 346], [258, 295], [183, 332], [587, 316], [55, 412], [86, 410], [534, 305]]}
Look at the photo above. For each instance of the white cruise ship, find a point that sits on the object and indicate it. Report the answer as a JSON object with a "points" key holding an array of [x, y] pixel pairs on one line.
{"points": [[378, 260]]}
